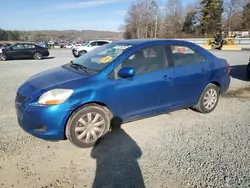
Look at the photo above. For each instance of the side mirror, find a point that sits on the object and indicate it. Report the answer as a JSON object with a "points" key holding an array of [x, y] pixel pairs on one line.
{"points": [[126, 72]]}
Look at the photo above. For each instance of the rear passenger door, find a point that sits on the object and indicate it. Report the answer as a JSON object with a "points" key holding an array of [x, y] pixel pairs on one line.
{"points": [[191, 74], [28, 50]]}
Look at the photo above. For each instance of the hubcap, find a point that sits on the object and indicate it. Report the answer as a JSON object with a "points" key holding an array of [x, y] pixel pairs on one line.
{"points": [[90, 127], [2, 57], [38, 56], [210, 99]]}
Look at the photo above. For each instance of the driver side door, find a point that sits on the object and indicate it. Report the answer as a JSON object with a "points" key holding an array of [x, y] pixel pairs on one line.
{"points": [[92, 46], [143, 94], [16, 51]]}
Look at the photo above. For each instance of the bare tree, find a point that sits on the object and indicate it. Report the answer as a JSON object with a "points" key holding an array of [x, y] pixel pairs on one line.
{"points": [[231, 7], [141, 19], [174, 17]]}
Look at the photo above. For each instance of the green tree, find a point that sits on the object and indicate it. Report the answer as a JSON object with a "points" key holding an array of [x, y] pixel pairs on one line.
{"points": [[211, 11], [189, 25]]}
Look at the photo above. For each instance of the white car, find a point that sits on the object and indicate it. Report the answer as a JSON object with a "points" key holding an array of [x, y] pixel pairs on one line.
{"points": [[68, 46], [88, 46]]}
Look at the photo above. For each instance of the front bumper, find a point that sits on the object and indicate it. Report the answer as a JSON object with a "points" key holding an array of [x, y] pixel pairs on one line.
{"points": [[44, 122]]}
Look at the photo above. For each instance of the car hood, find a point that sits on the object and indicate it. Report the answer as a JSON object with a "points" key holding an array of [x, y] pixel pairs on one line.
{"points": [[48, 79]]}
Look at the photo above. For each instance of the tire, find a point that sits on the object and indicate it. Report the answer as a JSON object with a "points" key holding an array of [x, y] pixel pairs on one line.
{"points": [[213, 46], [248, 70], [3, 57], [37, 56], [82, 52], [76, 56], [212, 91], [78, 130]]}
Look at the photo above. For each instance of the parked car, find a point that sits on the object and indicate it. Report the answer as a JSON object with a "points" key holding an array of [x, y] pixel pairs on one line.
{"points": [[248, 69], [23, 50], [74, 45], [68, 46], [88, 46], [119, 82]]}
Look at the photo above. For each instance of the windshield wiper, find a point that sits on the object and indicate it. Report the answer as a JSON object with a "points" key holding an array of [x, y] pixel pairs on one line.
{"points": [[78, 66]]}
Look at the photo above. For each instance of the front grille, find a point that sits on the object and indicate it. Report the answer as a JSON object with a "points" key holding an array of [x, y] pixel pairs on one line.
{"points": [[20, 98]]}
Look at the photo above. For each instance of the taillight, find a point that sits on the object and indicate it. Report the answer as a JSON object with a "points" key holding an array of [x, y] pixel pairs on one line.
{"points": [[228, 67]]}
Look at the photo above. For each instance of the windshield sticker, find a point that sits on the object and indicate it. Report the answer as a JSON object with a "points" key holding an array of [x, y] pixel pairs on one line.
{"points": [[121, 47], [106, 59]]}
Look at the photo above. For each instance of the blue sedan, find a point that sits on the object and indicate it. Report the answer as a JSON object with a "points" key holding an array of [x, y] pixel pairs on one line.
{"points": [[116, 83]]}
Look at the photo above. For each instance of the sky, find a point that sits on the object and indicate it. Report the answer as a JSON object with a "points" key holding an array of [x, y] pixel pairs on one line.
{"points": [[105, 15]]}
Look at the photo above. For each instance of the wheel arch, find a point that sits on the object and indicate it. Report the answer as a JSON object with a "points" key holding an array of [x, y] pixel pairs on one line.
{"points": [[89, 103], [217, 83]]}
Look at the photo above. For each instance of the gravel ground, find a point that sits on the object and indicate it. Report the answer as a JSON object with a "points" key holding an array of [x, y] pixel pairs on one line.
{"points": [[178, 149]]}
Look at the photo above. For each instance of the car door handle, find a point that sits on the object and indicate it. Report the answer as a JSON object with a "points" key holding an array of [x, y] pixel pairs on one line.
{"points": [[166, 77], [203, 71]]}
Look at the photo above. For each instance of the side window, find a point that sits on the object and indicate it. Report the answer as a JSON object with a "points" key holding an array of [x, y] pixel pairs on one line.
{"points": [[146, 60], [17, 47], [100, 43], [183, 55], [92, 44], [29, 46]]}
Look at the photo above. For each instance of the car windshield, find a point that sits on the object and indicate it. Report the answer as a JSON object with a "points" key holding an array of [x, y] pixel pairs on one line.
{"points": [[10, 46], [85, 43], [98, 58]]}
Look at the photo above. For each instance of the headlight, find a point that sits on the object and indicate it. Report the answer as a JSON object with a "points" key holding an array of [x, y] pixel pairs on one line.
{"points": [[55, 96]]}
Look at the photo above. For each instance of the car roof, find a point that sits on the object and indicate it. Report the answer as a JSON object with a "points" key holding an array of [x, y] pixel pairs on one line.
{"points": [[25, 43], [148, 41], [100, 40]]}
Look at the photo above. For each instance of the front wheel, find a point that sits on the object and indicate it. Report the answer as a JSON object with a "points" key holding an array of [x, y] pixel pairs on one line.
{"points": [[208, 99], [87, 125], [2, 57], [82, 52]]}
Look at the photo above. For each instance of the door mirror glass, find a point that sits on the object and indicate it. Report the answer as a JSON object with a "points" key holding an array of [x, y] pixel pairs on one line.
{"points": [[126, 72]]}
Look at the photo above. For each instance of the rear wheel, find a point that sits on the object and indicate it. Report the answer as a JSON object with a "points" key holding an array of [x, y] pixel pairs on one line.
{"points": [[2, 57], [37, 56], [208, 99], [87, 125]]}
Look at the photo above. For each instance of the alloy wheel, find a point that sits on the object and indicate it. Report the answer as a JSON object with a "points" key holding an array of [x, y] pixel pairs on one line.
{"points": [[38, 56], [2, 57]]}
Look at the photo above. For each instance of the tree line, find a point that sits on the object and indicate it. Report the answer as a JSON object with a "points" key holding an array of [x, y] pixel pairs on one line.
{"points": [[47, 35], [7, 35], [203, 18]]}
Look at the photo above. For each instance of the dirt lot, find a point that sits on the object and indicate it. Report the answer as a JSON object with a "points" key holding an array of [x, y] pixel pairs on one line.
{"points": [[178, 149]]}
